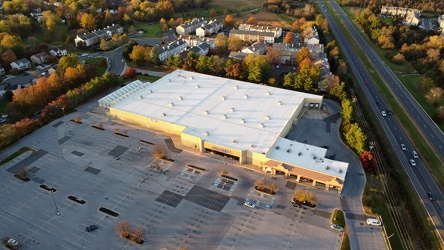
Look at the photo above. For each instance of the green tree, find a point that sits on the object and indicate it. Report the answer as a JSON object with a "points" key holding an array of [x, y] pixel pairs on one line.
{"points": [[178, 61], [356, 138], [307, 78], [70, 60], [104, 45], [289, 80], [154, 56], [170, 61], [88, 21], [347, 113]]}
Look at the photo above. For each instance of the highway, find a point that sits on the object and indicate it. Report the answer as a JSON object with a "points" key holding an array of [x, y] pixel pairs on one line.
{"points": [[419, 175]]}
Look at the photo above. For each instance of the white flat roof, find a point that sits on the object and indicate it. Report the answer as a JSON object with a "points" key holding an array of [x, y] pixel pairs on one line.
{"points": [[307, 156], [222, 111]]}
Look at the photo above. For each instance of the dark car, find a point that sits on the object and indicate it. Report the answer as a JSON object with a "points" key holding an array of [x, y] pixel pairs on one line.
{"points": [[295, 204], [431, 196], [389, 112], [91, 228]]}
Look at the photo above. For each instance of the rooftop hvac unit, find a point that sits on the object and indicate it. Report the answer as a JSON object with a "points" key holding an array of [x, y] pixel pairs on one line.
{"points": [[224, 116], [261, 125], [171, 104], [180, 98], [207, 133], [268, 93], [279, 103], [197, 86], [245, 96], [236, 87], [232, 109], [243, 121], [206, 112], [140, 96], [267, 118], [223, 98], [163, 114], [150, 91]]}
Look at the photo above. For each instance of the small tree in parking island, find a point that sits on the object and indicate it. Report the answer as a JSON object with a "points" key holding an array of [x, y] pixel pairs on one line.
{"points": [[123, 228], [159, 151]]}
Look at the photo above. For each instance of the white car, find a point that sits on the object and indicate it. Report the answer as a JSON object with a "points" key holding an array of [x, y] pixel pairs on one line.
{"points": [[373, 222], [403, 147], [336, 227], [415, 155], [13, 242], [412, 162], [383, 113], [249, 204]]}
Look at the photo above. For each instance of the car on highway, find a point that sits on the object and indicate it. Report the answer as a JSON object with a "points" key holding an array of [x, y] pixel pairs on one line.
{"points": [[91, 228], [403, 147], [412, 162], [415, 155], [336, 227], [366, 83], [249, 204], [431, 196], [389, 112], [383, 113]]}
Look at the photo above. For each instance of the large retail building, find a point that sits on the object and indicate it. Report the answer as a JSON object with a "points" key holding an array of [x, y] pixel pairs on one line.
{"points": [[241, 120]]}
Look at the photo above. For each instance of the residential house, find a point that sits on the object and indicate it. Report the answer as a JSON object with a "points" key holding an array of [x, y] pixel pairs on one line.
{"points": [[253, 36], [277, 31], [58, 51], [441, 21], [190, 27], [97, 35], [39, 58], [21, 64], [201, 49], [311, 36], [174, 48], [192, 41], [238, 55], [412, 16], [213, 26], [315, 47], [256, 48]]}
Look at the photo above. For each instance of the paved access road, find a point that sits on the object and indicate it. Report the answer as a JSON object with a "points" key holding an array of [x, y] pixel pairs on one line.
{"points": [[419, 175]]}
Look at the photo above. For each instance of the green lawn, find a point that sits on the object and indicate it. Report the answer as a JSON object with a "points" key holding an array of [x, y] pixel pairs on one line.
{"points": [[148, 78], [150, 29], [101, 68], [15, 155], [3, 105]]}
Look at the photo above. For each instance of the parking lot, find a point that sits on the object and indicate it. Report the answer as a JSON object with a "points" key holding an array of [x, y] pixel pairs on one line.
{"points": [[174, 204]]}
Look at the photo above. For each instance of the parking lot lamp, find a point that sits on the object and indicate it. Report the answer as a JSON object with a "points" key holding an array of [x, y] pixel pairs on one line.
{"points": [[55, 204], [64, 119]]}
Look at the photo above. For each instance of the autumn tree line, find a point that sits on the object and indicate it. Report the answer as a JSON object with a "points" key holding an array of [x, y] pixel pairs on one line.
{"points": [[71, 85], [403, 44]]}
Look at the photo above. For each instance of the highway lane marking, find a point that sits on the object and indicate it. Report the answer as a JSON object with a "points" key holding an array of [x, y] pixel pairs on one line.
{"points": [[440, 146]]}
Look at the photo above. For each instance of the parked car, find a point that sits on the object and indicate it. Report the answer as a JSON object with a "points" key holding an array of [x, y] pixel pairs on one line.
{"points": [[403, 147], [249, 204], [336, 227], [12, 242], [415, 155], [373, 222], [431, 196], [412, 162], [91, 228], [295, 204]]}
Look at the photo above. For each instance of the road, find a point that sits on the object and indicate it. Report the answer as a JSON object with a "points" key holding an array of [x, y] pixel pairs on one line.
{"points": [[419, 175]]}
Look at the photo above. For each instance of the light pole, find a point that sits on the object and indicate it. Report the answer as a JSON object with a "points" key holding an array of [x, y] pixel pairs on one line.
{"points": [[138, 138], [55, 204], [371, 146], [64, 119]]}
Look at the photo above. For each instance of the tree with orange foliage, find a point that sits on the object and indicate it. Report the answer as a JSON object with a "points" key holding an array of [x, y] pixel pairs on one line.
{"points": [[288, 37], [252, 20], [229, 21]]}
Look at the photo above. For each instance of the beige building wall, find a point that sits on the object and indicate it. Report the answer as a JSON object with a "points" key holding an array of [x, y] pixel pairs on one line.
{"points": [[225, 150], [147, 122]]}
